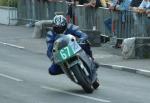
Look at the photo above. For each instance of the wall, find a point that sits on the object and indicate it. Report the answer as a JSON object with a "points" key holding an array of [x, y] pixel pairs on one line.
{"points": [[8, 15]]}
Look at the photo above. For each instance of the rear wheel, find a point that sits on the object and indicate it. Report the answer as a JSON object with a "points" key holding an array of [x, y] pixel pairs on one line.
{"points": [[96, 84], [82, 79]]}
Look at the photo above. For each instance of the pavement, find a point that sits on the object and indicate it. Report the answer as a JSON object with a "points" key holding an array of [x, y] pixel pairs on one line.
{"points": [[21, 37]]}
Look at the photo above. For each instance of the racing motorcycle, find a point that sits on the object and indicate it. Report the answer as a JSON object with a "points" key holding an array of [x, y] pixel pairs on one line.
{"points": [[75, 63]]}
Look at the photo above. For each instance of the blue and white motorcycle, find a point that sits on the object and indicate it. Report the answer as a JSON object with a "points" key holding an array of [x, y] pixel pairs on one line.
{"points": [[75, 63]]}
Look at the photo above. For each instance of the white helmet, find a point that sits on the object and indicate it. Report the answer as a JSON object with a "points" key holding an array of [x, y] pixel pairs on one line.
{"points": [[59, 20], [60, 24]]}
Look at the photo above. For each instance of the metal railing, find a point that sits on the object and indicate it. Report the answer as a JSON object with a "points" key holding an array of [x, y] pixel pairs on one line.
{"points": [[92, 18], [129, 24], [9, 12], [123, 24], [33, 10]]}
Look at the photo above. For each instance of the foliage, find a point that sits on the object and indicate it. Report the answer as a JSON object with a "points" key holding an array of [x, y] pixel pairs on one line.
{"points": [[10, 3]]}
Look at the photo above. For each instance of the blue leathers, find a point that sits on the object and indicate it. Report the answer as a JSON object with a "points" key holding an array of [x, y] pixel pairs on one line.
{"points": [[52, 36]]}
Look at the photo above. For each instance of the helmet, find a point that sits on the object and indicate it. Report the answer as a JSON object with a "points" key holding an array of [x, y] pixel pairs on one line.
{"points": [[60, 24]]}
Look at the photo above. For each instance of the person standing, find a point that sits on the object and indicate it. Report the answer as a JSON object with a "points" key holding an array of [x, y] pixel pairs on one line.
{"points": [[143, 11]]}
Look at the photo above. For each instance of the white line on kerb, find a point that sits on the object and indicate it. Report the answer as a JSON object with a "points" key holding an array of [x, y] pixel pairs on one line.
{"points": [[10, 77], [74, 94], [12, 45]]}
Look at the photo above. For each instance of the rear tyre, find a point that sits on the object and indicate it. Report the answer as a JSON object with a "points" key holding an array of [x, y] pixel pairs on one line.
{"points": [[96, 84], [82, 79]]}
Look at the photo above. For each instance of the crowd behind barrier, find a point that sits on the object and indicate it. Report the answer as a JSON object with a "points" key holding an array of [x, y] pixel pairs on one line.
{"points": [[122, 23]]}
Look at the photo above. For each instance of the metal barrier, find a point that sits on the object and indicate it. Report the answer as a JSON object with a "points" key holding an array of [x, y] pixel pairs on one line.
{"points": [[92, 18], [53, 7], [123, 24], [33, 10], [8, 12], [129, 24]]}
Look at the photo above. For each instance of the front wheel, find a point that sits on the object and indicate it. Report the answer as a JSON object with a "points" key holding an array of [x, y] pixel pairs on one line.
{"points": [[82, 79]]}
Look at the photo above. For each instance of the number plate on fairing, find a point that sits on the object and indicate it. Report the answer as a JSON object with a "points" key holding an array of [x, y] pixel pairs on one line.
{"points": [[67, 51]]}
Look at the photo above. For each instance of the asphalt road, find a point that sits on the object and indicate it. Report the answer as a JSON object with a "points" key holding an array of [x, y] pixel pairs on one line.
{"points": [[24, 79]]}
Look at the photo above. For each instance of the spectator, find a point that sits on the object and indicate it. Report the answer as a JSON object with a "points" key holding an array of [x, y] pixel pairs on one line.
{"points": [[82, 2], [96, 3], [108, 3], [143, 12], [135, 3], [48, 0], [70, 15], [42, 0], [117, 18], [53, 0], [70, 12], [143, 7], [117, 5], [120, 5]]}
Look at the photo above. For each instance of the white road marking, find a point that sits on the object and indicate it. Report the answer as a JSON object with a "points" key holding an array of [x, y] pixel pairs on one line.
{"points": [[74, 94], [10, 77], [102, 56], [147, 71], [12, 45]]}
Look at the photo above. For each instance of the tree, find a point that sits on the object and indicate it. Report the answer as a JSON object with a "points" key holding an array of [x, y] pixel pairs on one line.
{"points": [[10, 3]]}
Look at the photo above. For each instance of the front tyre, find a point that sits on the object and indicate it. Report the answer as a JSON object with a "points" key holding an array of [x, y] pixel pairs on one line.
{"points": [[82, 78]]}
